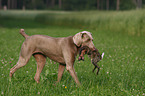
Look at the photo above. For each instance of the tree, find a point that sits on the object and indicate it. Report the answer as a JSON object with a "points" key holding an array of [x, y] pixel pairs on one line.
{"points": [[9, 4], [52, 3], [15, 4], [135, 2], [47, 3], [139, 3], [12, 4], [60, 4], [107, 4], [98, 4], [33, 4], [23, 7], [0, 4], [117, 4], [73, 4], [102, 4]]}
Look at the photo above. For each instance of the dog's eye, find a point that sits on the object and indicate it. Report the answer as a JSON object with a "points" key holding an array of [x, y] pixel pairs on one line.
{"points": [[88, 39]]}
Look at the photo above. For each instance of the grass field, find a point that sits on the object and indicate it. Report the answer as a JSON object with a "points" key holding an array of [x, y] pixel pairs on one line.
{"points": [[121, 38]]}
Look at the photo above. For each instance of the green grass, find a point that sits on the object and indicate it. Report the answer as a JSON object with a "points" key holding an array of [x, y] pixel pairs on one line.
{"points": [[121, 38]]}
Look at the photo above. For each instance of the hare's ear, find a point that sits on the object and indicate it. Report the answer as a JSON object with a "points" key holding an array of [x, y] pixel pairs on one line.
{"points": [[102, 55]]}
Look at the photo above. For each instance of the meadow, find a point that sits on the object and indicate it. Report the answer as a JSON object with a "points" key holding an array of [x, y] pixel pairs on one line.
{"points": [[120, 35]]}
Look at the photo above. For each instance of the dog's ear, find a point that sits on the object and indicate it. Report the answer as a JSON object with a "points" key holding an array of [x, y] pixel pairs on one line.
{"points": [[84, 35], [78, 39]]}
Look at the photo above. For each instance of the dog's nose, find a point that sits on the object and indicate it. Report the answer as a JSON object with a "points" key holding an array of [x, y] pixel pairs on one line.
{"points": [[94, 49]]}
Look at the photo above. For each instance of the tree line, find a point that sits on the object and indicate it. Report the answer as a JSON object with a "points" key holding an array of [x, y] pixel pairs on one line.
{"points": [[73, 4]]}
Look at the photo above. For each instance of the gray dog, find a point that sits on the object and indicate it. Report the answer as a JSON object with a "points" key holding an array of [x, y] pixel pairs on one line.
{"points": [[62, 50]]}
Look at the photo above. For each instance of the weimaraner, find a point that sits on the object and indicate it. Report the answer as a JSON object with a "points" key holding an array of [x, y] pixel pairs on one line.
{"points": [[62, 50]]}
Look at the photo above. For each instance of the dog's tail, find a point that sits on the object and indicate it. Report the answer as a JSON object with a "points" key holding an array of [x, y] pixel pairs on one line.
{"points": [[23, 33]]}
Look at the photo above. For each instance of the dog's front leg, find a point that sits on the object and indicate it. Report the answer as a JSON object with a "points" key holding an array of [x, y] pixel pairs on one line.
{"points": [[69, 57], [73, 73]]}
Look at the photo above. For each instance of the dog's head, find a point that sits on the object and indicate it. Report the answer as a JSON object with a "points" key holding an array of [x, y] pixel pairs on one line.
{"points": [[84, 39]]}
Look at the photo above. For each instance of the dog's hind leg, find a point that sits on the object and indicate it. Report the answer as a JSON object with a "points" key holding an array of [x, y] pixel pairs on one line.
{"points": [[41, 60], [21, 62], [60, 72], [25, 54]]}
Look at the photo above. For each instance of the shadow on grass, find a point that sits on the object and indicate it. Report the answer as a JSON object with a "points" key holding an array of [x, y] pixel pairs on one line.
{"points": [[10, 22], [40, 21]]}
